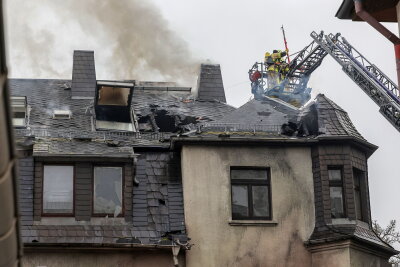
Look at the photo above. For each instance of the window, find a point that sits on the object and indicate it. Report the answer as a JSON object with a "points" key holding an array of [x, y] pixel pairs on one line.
{"points": [[60, 114], [107, 196], [336, 192], [251, 194], [58, 183], [19, 104], [358, 176], [113, 106]]}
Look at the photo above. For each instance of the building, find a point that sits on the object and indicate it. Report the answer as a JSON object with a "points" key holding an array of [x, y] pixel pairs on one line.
{"points": [[132, 173]]}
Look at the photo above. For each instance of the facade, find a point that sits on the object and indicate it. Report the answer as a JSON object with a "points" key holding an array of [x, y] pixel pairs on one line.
{"points": [[132, 173]]}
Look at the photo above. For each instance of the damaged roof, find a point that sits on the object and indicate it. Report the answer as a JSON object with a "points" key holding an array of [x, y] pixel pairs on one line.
{"points": [[160, 111]]}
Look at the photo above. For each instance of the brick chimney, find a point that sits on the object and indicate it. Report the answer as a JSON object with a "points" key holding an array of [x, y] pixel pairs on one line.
{"points": [[210, 85], [83, 75]]}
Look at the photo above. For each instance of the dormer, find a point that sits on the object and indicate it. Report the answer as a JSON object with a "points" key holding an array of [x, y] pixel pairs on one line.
{"points": [[113, 106]]}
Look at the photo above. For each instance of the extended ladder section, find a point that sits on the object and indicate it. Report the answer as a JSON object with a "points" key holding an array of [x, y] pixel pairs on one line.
{"points": [[308, 60], [366, 75]]}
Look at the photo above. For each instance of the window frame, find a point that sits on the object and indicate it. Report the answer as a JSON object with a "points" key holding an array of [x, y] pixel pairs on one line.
{"points": [[122, 213], [43, 214], [249, 183], [361, 193], [337, 184]]}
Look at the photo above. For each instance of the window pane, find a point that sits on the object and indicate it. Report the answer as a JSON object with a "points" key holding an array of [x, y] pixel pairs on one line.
{"points": [[249, 174], [357, 175], [357, 198], [58, 189], [335, 175], [108, 190], [337, 202], [240, 202], [260, 201]]}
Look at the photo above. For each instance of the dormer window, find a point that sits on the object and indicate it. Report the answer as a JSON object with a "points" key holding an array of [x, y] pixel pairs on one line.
{"points": [[59, 114], [19, 108], [113, 106]]}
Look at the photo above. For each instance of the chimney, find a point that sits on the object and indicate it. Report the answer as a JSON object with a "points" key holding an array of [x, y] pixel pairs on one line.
{"points": [[210, 86], [83, 75]]}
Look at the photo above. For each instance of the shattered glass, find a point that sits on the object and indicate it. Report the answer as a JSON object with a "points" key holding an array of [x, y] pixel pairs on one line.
{"points": [[108, 190]]}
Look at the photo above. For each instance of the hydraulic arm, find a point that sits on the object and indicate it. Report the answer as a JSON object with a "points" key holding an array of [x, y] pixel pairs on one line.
{"points": [[366, 75]]}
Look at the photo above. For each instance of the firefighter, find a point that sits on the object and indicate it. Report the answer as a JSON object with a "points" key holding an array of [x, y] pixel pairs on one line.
{"points": [[276, 67], [268, 59], [273, 75], [278, 56]]}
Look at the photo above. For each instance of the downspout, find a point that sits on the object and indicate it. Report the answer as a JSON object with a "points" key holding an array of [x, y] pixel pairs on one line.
{"points": [[364, 15]]}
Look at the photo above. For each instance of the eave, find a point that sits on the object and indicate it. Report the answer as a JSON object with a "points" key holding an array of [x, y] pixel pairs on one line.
{"points": [[383, 10], [365, 146]]}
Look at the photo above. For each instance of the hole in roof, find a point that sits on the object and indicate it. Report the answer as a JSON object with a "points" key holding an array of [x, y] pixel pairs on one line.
{"points": [[165, 123]]}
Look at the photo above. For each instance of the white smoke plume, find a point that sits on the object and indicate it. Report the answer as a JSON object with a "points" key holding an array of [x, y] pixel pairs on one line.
{"points": [[130, 38]]}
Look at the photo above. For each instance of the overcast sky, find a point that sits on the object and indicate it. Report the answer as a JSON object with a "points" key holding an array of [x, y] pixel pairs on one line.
{"points": [[235, 34]]}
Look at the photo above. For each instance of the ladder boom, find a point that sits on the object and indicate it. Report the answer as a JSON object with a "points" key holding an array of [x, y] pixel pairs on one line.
{"points": [[366, 75]]}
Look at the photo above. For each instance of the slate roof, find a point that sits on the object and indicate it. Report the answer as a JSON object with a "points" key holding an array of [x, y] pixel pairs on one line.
{"points": [[346, 231], [333, 120], [44, 96], [177, 103], [268, 111], [66, 147]]}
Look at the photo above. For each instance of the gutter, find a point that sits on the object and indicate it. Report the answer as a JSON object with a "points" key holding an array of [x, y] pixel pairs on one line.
{"points": [[220, 141], [365, 16]]}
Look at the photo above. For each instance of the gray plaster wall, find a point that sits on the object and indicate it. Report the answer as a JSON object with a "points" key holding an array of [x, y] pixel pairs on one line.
{"points": [[207, 203]]}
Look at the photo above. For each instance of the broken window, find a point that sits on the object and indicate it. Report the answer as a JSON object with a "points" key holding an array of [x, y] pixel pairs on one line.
{"points": [[358, 177], [336, 192], [19, 109], [58, 189], [108, 191], [251, 198], [113, 106]]}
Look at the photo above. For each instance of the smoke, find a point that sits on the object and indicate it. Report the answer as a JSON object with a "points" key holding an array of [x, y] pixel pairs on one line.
{"points": [[130, 38]]}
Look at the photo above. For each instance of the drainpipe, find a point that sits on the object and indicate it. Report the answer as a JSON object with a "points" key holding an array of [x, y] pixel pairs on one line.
{"points": [[364, 15]]}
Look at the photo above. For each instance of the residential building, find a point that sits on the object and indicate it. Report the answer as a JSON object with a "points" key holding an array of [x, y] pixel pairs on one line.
{"points": [[133, 173]]}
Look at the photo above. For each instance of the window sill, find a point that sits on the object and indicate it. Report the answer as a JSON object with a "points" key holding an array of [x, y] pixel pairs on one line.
{"points": [[252, 223]]}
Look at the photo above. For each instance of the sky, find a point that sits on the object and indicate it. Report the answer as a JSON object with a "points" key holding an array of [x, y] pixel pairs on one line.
{"points": [[178, 34]]}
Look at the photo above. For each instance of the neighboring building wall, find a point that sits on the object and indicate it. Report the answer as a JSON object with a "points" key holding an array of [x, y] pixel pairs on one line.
{"points": [[100, 259], [207, 195]]}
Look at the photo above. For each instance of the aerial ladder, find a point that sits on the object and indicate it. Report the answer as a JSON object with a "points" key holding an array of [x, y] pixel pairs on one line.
{"points": [[366, 75], [293, 89]]}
